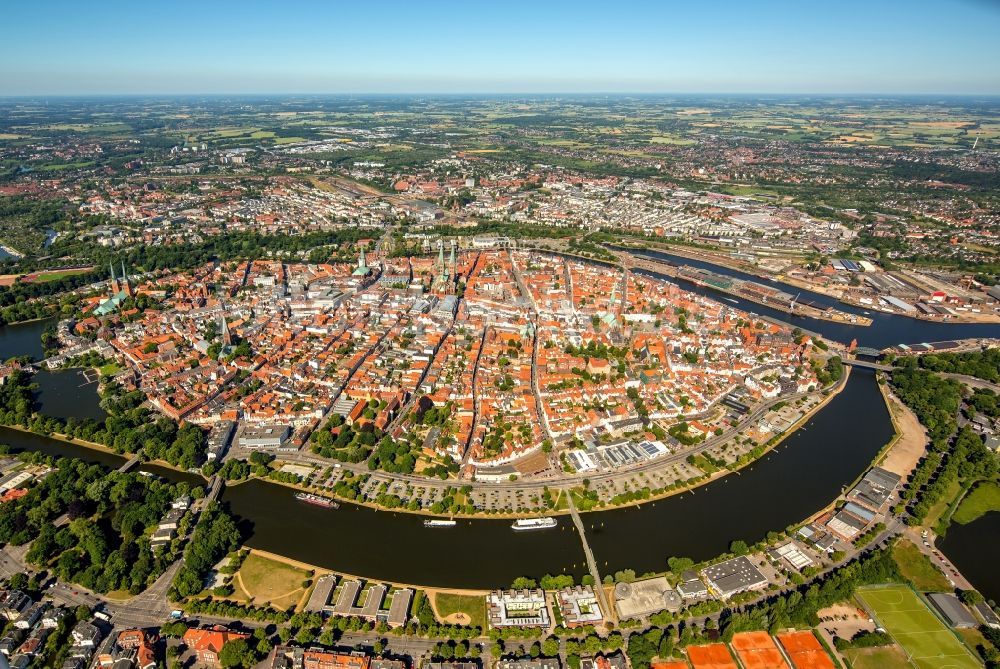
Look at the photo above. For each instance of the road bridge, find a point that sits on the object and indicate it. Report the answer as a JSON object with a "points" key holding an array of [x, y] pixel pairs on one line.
{"points": [[865, 364], [214, 488]]}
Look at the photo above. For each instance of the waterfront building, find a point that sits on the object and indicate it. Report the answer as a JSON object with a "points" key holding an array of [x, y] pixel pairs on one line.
{"points": [[579, 606], [733, 576]]}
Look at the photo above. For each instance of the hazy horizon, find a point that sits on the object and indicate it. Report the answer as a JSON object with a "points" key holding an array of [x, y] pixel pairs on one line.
{"points": [[451, 48]]}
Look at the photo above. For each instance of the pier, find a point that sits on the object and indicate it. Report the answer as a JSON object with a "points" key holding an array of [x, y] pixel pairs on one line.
{"points": [[591, 562]]}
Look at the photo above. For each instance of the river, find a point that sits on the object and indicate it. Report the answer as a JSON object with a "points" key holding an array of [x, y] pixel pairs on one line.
{"points": [[886, 329], [803, 475], [23, 339], [800, 477], [975, 549]]}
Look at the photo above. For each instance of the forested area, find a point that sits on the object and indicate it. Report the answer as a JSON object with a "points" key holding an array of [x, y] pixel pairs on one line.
{"points": [[23, 221], [953, 455], [229, 246], [214, 538], [981, 364], [104, 545]]}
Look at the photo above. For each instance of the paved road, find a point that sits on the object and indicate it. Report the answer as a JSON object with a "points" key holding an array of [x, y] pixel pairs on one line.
{"points": [[937, 558], [972, 381]]}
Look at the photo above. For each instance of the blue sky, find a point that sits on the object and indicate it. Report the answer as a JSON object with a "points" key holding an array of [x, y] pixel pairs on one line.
{"points": [[218, 46]]}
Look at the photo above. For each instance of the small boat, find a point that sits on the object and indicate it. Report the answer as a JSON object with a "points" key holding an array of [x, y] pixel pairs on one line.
{"points": [[533, 524], [728, 299], [437, 522], [317, 500]]}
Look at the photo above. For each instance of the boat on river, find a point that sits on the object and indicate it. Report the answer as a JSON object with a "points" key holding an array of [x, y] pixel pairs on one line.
{"points": [[523, 524], [438, 522], [316, 500]]}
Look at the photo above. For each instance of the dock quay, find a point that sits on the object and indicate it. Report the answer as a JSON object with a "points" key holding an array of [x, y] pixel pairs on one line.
{"points": [[752, 291]]}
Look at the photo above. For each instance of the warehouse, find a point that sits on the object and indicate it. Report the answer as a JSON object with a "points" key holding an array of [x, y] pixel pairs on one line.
{"points": [[952, 610]]}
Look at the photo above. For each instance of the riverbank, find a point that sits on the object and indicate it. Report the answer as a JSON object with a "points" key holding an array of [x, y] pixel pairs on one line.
{"points": [[910, 443], [101, 448], [565, 489]]}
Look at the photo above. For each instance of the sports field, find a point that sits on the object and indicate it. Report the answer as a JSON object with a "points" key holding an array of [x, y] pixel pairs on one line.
{"points": [[711, 656], [757, 651], [924, 637], [804, 650]]}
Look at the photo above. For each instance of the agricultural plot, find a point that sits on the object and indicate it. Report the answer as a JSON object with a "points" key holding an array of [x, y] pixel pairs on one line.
{"points": [[923, 636]]}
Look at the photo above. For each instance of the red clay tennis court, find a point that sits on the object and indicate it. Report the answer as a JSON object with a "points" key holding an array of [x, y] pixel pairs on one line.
{"points": [[712, 656], [757, 650], [673, 664], [805, 651]]}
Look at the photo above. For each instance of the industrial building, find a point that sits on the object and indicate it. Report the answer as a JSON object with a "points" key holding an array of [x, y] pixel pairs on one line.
{"points": [[733, 577]]}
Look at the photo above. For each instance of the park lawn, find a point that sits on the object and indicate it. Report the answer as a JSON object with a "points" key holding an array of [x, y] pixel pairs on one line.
{"points": [[265, 581], [929, 643], [985, 497], [446, 604], [940, 508], [882, 657], [916, 568], [109, 369]]}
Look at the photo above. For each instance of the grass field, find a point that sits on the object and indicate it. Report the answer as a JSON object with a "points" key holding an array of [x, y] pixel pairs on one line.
{"points": [[109, 369], [265, 581], [883, 657], [471, 608], [984, 498], [44, 277], [917, 568], [929, 644]]}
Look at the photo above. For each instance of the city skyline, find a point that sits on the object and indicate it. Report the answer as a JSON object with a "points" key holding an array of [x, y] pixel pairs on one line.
{"points": [[397, 48]]}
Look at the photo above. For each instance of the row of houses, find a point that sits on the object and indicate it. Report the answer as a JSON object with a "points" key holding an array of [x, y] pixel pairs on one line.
{"points": [[31, 624], [373, 608]]}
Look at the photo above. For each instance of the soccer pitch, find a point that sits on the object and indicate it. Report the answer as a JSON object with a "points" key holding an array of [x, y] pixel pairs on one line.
{"points": [[924, 637]]}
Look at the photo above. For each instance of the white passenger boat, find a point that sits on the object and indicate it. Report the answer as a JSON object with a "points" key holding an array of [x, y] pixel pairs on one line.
{"points": [[533, 524], [439, 523]]}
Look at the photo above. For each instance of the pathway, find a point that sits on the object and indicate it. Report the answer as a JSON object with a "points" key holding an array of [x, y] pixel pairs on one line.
{"points": [[591, 562]]}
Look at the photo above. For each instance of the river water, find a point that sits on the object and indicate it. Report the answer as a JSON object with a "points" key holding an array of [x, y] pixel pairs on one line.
{"points": [[803, 475], [886, 329], [975, 549]]}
